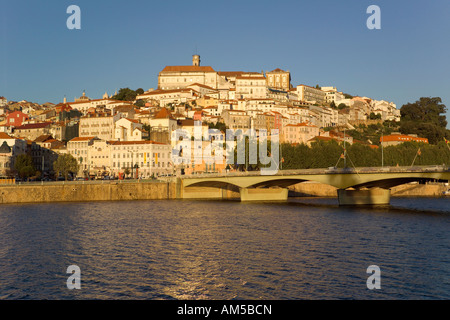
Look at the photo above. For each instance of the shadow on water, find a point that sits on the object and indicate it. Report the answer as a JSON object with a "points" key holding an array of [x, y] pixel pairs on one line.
{"points": [[409, 205]]}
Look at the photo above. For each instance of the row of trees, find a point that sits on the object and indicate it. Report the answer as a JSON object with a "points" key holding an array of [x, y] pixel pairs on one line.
{"points": [[65, 164], [328, 154]]}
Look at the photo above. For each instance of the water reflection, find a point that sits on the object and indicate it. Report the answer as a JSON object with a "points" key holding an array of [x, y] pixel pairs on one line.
{"points": [[308, 248]]}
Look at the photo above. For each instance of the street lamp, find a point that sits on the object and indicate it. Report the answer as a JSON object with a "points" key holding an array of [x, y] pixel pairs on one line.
{"points": [[132, 152], [136, 166]]}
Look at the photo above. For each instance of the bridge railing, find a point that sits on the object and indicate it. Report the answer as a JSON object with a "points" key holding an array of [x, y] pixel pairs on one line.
{"points": [[330, 170]]}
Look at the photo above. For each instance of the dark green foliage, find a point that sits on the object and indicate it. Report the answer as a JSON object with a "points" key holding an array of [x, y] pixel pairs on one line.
{"points": [[24, 166], [426, 118], [126, 94], [327, 154], [65, 164]]}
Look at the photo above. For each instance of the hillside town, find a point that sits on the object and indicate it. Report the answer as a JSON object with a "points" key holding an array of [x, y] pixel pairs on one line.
{"points": [[111, 137]]}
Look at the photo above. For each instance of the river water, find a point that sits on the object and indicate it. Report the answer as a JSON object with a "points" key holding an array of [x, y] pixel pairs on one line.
{"points": [[307, 248]]}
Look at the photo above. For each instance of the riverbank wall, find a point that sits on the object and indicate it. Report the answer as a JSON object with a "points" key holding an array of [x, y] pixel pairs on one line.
{"points": [[10, 194], [87, 192]]}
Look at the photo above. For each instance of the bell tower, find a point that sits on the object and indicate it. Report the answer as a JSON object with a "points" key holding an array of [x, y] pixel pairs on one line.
{"points": [[196, 60]]}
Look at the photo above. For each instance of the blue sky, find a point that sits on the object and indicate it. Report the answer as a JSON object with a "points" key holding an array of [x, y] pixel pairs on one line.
{"points": [[126, 43]]}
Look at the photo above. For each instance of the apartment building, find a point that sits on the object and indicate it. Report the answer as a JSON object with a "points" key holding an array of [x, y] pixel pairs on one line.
{"points": [[79, 149], [141, 158], [279, 79], [236, 119], [310, 94], [251, 85], [10, 148], [98, 125], [299, 133]]}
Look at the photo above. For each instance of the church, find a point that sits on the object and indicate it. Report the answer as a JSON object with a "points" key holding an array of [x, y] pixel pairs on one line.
{"points": [[179, 77]]}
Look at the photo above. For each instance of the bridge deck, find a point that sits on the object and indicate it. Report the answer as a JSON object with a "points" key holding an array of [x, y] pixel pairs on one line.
{"points": [[386, 177], [331, 170]]}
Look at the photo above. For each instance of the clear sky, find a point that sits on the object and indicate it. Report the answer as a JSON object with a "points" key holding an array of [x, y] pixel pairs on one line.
{"points": [[126, 43]]}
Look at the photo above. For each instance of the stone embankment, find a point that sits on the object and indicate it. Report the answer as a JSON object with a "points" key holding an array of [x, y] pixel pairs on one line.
{"points": [[71, 192], [114, 191]]}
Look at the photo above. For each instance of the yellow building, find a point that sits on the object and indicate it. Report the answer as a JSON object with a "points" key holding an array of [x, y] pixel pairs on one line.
{"points": [[279, 79], [310, 94], [178, 77], [98, 125], [299, 133]]}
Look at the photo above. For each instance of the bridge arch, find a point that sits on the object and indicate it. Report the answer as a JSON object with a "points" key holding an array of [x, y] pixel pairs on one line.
{"points": [[282, 183], [393, 182], [215, 184]]}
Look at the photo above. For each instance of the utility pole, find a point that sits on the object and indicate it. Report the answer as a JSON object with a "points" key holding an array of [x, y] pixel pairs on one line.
{"points": [[382, 150], [345, 152]]}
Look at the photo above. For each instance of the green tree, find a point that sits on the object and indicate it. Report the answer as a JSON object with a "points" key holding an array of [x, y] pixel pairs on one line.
{"points": [[140, 103], [374, 116], [65, 164], [24, 166], [426, 118], [125, 94], [219, 125]]}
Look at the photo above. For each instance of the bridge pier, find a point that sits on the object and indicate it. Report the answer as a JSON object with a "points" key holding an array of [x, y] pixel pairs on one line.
{"points": [[264, 194], [374, 196]]}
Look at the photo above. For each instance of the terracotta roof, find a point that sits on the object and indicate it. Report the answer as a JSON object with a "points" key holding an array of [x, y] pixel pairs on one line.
{"points": [[135, 142], [190, 123], [201, 85], [163, 114], [300, 125], [230, 73], [402, 138], [95, 100], [188, 69], [247, 77], [82, 139], [33, 126], [5, 136], [43, 138], [160, 91], [277, 70]]}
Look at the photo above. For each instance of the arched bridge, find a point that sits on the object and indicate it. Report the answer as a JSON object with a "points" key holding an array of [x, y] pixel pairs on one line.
{"points": [[355, 186]]}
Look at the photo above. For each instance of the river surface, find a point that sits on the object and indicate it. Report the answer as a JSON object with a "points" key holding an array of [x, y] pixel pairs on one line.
{"points": [[307, 248]]}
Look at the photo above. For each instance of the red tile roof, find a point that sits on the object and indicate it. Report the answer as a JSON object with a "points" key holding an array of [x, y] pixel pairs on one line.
{"points": [[402, 138], [5, 136], [188, 69], [82, 139], [135, 142], [34, 126], [163, 114]]}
